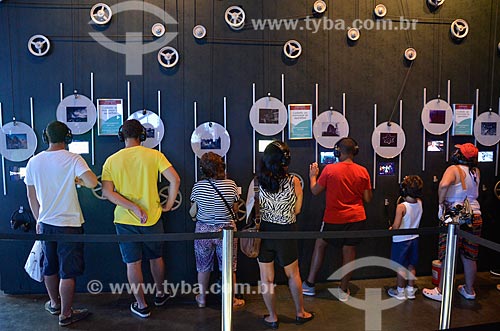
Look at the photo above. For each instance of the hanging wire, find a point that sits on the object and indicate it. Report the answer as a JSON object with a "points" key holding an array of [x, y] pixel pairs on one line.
{"points": [[212, 46], [493, 51], [400, 92], [11, 67], [328, 63], [73, 46], [440, 54]]}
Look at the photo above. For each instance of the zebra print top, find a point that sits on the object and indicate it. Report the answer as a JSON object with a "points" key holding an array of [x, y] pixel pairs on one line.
{"points": [[279, 208], [211, 208]]}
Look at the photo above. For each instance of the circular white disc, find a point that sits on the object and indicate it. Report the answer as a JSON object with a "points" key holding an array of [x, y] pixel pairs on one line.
{"points": [[388, 141], [437, 116], [292, 49], [353, 34], [319, 6], [199, 31], [268, 116], [158, 29], [380, 10], [329, 127], [210, 137], [17, 141], [168, 57], [235, 17], [153, 125], [101, 13], [487, 128], [410, 54], [78, 112]]}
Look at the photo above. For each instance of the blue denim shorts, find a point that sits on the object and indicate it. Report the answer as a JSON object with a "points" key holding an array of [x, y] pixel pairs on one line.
{"points": [[63, 258], [405, 252], [135, 251]]}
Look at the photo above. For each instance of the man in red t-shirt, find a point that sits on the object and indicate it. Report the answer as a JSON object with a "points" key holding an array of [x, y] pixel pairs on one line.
{"points": [[347, 186]]}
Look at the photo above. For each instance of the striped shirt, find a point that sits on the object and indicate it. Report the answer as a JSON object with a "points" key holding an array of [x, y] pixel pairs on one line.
{"points": [[211, 208]]}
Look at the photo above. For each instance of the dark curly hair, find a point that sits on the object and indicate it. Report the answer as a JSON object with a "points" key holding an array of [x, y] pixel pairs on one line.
{"points": [[272, 168], [413, 186], [212, 166], [132, 129], [56, 132]]}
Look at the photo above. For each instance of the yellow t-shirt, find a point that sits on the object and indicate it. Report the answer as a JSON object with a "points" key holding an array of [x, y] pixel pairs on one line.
{"points": [[134, 173]]}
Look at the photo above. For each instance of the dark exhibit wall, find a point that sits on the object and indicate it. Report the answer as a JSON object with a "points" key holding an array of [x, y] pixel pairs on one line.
{"points": [[226, 63]]}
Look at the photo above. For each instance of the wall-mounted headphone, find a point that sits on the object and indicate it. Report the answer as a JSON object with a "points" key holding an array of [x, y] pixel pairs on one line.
{"points": [[337, 149], [68, 138], [142, 136], [285, 152], [21, 219]]}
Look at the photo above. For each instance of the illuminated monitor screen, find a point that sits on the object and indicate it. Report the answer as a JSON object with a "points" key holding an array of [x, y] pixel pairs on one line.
{"points": [[328, 158], [263, 144], [79, 147], [485, 156]]}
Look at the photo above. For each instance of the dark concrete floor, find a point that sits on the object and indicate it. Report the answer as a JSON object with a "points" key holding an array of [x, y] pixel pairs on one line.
{"points": [[111, 312]]}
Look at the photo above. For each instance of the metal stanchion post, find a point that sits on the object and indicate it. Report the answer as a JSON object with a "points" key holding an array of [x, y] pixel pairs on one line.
{"points": [[449, 276], [227, 278]]}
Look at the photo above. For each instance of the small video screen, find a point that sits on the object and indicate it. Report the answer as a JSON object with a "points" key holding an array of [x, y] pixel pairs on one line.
{"points": [[17, 173], [435, 146], [485, 156], [386, 169], [263, 144], [79, 147], [328, 158]]}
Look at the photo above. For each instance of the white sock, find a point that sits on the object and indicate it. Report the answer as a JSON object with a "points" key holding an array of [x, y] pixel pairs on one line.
{"points": [[400, 289]]}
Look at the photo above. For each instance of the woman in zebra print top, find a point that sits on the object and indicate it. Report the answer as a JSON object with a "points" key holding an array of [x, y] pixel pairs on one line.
{"points": [[280, 200]]}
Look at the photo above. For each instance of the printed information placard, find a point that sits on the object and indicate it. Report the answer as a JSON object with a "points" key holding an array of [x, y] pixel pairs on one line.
{"points": [[300, 121]]}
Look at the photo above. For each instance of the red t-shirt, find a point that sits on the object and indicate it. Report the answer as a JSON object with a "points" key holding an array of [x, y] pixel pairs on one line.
{"points": [[344, 183]]}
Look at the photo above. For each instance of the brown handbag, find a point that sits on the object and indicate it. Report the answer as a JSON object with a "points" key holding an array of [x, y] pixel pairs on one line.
{"points": [[251, 246]]}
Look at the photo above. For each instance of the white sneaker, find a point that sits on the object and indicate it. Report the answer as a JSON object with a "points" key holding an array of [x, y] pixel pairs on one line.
{"points": [[433, 294], [393, 292], [463, 292], [343, 296], [308, 290], [410, 294]]}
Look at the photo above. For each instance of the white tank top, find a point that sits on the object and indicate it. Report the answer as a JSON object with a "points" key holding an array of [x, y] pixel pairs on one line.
{"points": [[411, 220], [456, 194]]}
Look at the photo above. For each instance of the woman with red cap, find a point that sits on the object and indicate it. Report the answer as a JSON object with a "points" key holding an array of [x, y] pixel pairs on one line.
{"points": [[460, 182]]}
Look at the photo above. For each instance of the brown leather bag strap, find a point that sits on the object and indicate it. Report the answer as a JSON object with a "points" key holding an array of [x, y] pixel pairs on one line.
{"points": [[256, 203]]}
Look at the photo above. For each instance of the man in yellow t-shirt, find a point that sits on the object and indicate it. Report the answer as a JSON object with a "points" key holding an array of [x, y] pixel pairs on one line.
{"points": [[129, 180]]}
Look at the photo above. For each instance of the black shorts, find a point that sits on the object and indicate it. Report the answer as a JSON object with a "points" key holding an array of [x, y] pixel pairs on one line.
{"points": [[285, 251], [339, 242], [63, 258]]}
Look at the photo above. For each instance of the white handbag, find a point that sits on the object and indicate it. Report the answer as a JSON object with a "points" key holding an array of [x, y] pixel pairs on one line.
{"points": [[34, 262]]}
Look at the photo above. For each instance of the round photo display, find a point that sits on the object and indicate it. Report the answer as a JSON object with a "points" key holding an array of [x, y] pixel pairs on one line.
{"points": [[437, 116], [329, 127], [78, 112], [388, 140], [268, 116], [210, 137], [486, 129], [17, 141], [153, 125]]}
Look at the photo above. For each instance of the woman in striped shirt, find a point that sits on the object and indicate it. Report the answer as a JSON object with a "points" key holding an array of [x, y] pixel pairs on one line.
{"points": [[213, 215]]}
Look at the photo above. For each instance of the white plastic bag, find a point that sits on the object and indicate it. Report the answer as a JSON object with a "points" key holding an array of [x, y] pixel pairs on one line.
{"points": [[34, 262]]}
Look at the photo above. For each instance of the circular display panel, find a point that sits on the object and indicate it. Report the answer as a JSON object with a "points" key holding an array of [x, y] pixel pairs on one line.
{"points": [[210, 137], [388, 140], [268, 116], [329, 127], [17, 141], [78, 112], [437, 116], [486, 129], [153, 125]]}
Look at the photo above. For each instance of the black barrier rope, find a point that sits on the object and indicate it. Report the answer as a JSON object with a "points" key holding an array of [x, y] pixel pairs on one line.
{"points": [[478, 240], [104, 238]]}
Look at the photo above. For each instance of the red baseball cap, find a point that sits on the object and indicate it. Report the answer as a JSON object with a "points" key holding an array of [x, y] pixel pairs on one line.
{"points": [[468, 150]]}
